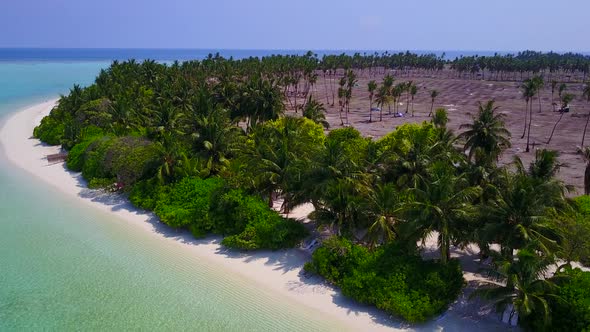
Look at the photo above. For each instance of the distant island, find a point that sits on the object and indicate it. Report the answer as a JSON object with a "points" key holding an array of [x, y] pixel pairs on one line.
{"points": [[390, 152]]}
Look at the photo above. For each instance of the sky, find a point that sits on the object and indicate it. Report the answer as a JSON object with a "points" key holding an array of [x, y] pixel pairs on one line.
{"points": [[498, 25]]}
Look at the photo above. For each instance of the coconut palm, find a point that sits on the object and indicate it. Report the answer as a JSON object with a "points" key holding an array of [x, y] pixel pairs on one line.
{"points": [[443, 204], [539, 84], [527, 88], [440, 118], [407, 89], [517, 217], [433, 95], [586, 155], [388, 85], [553, 86], [314, 110], [385, 205], [565, 100], [535, 89], [526, 291], [382, 98], [413, 92], [277, 153], [487, 136], [214, 139], [586, 94], [372, 86]]}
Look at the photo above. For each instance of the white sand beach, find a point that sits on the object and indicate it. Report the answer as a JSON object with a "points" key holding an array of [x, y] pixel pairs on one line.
{"points": [[277, 272]]}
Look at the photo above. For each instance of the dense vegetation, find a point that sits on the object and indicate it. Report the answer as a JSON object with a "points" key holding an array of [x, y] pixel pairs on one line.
{"points": [[398, 282], [207, 147]]}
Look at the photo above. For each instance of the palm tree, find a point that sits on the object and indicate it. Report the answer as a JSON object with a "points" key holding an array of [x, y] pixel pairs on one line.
{"points": [[553, 86], [277, 153], [371, 88], [433, 95], [517, 217], [586, 94], [388, 84], [444, 205], [586, 155], [487, 136], [314, 110], [407, 88], [342, 99], [384, 204], [440, 118], [527, 93], [539, 83], [565, 100], [351, 81], [215, 138], [382, 99], [526, 291], [413, 91], [535, 89]]}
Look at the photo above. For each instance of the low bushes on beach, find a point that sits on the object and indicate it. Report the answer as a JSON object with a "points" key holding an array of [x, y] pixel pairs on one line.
{"points": [[569, 304], [401, 283], [204, 206]]}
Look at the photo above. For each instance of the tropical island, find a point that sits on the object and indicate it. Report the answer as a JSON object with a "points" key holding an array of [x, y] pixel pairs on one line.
{"points": [[231, 147]]}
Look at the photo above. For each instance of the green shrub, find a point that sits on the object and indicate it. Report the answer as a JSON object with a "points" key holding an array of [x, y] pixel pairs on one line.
{"points": [[131, 159], [391, 279], [187, 203], [570, 308], [144, 194], [94, 159], [97, 183], [126, 159], [233, 210], [253, 224], [336, 258], [76, 155], [50, 131], [269, 231], [583, 204]]}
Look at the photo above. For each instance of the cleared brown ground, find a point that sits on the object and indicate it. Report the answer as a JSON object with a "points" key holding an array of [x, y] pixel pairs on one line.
{"points": [[460, 97]]}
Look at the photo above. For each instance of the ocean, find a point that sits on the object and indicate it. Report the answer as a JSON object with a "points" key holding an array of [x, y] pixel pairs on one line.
{"points": [[65, 266], [82, 55]]}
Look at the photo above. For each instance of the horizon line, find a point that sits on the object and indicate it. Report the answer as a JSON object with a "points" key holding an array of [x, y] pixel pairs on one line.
{"points": [[285, 49]]}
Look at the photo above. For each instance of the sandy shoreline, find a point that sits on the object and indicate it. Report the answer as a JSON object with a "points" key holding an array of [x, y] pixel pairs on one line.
{"points": [[278, 272]]}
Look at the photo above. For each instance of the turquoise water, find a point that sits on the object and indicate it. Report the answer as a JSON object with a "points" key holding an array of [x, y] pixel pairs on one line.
{"points": [[64, 266]]}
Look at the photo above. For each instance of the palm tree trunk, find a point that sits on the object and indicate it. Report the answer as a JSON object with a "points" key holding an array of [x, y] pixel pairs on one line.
{"points": [[528, 136], [326, 89], [371, 109], [332, 87], [555, 126], [526, 109], [584, 134], [444, 245], [296, 92]]}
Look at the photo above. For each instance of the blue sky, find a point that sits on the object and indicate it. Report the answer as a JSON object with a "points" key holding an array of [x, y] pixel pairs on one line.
{"points": [[302, 24]]}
